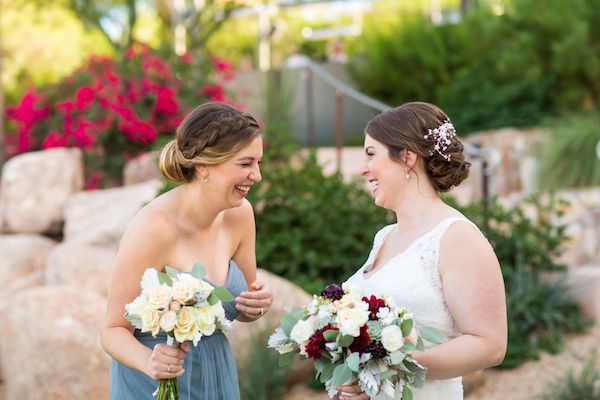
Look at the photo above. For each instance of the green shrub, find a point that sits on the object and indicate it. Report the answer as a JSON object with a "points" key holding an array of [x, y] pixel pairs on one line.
{"points": [[260, 376], [313, 229], [573, 138], [539, 312], [585, 386]]}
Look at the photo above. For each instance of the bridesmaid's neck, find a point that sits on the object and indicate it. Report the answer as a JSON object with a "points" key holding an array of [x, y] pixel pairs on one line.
{"points": [[197, 205]]}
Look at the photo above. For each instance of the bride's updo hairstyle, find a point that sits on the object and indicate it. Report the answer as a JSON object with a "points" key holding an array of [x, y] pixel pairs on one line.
{"points": [[210, 134], [427, 131]]}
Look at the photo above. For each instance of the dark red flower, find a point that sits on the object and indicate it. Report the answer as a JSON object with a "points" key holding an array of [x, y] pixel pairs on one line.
{"points": [[84, 97], [374, 305], [316, 344], [361, 342]]}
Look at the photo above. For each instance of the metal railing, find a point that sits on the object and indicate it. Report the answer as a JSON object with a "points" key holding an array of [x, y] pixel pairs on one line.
{"points": [[489, 157]]}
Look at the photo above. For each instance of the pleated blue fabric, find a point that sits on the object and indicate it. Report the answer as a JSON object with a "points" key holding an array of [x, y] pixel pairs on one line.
{"points": [[210, 370]]}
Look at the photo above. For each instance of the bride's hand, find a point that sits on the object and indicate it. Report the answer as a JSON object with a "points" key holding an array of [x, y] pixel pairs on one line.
{"points": [[256, 301], [351, 392], [166, 362]]}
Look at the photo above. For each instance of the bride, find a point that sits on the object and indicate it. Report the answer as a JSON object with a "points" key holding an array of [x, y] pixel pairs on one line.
{"points": [[433, 261]]}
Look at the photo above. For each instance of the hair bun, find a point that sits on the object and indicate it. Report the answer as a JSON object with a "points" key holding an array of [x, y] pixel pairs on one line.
{"points": [[447, 173]]}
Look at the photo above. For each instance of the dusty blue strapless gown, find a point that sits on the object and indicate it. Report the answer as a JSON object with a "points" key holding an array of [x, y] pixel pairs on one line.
{"points": [[210, 370]]}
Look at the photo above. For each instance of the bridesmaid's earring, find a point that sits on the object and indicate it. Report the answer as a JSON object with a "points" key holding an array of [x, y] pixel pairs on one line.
{"points": [[407, 175], [205, 179]]}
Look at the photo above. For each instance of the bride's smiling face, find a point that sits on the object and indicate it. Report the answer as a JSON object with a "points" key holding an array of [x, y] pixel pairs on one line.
{"points": [[383, 174]]}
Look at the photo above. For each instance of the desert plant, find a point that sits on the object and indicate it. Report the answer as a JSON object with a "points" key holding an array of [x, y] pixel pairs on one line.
{"points": [[582, 386]]}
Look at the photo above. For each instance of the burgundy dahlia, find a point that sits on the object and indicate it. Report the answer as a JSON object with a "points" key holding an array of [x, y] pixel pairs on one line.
{"points": [[333, 292], [316, 344], [374, 305], [361, 342], [376, 349]]}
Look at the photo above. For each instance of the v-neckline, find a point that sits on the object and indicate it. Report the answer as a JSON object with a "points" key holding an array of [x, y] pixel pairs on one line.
{"points": [[369, 274]]}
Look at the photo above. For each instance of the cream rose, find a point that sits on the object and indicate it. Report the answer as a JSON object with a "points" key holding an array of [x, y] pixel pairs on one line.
{"points": [[168, 320], [218, 311], [302, 331], [205, 320], [350, 320], [204, 289], [182, 292], [159, 296], [391, 338], [349, 300], [184, 327], [150, 318]]}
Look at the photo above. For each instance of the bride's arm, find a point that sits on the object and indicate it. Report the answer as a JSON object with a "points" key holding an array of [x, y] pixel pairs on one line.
{"points": [[255, 301], [474, 292], [146, 243]]}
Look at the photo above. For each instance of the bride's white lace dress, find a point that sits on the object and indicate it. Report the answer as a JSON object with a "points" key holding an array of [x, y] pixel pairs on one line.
{"points": [[412, 278]]}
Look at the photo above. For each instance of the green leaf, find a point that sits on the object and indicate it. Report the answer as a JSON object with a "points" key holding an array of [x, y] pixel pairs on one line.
{"points": [[341, 375], [431, 335], [223, 294], [287, 323], [172, 272], [420, 345], [407, 393], [330, 335], [198, 271], [344, 340], [406, 327], [212, 299], [408, 346], [352, 361], [319, 366], [387, 374], [296, 312], [286, 359], [397, 357], [327, 372], [164, 278]]}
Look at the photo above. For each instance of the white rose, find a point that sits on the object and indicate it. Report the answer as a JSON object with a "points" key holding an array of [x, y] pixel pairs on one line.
{"points": [[218, 311], [350, 320], [182, 292], [150, 318], [205, 320], [325, 311], [168, 320], [352, 288], [391, 338], [386, 316], [159, 296], [204, 290], [137, 306], [150, 278], [189, 281], [302, 331]]}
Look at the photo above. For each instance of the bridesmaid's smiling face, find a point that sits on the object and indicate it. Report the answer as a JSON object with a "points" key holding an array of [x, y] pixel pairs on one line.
{"points": [[383, 174]]}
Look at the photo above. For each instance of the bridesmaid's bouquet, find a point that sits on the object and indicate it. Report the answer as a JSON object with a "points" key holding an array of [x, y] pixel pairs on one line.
{"points": [[352, 338], [182, 305]]}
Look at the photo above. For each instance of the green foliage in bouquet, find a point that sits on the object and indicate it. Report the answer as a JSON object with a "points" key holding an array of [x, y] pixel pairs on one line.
{"points": [[539, 311], [573, 138], [585, 385], [312, 228]]}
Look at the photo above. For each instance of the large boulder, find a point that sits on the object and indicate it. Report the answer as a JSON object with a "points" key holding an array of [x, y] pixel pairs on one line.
{"points": [[22, 260], [584, 287], [35, 186], [244, 334], [100, 217], [80, 265], [50, 345]]}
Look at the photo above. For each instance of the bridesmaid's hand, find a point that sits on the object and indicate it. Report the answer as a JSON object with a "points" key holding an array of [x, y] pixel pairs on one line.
{"points": [[166, 362], [254, 303], [351, 392]]}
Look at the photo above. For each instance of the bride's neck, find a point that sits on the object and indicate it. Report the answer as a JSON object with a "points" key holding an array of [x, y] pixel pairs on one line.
{"points": [[417, 212]]}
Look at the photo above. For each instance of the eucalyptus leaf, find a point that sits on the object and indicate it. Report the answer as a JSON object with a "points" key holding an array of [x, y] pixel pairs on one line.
{"points": [[407, 393], [327, 372], [431, 335], [406, 326], [341, 375], [223, 294], [172, 272], [212, 299], [397, 357], [199, 271], [420, 345], [344, 340], [296, 312], [352, 361], [287, 323], [164, 278], [330, 335], [408, 346]]}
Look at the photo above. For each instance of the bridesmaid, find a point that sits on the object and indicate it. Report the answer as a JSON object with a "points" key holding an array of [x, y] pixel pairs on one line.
{"points": [[215, 156]]}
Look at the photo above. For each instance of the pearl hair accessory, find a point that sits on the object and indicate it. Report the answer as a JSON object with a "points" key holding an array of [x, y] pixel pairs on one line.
{"points": [[442, 135]]}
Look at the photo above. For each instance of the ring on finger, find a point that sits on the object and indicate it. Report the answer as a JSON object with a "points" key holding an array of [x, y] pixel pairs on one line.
{"points": [[261, 311], [169, 367]]}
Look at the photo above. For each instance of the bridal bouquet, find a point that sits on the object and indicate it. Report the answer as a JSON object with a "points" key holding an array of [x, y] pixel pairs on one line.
{"points": [[357, 339], [182, 305]]}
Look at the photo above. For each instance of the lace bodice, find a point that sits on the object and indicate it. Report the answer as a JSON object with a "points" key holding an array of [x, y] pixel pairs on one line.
{"points": [[412, 279]]}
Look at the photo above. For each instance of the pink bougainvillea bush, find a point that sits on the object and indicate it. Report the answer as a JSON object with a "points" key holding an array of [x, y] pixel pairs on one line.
{"points": [[115, 108]]}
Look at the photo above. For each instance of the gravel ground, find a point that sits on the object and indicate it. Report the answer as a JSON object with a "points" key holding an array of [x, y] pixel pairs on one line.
{"points": [[534, 377]]}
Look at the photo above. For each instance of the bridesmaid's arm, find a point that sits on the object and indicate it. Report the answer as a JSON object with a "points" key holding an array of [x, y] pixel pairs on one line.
{"points": [[255, 301], [146, 243], [474, 292]]}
